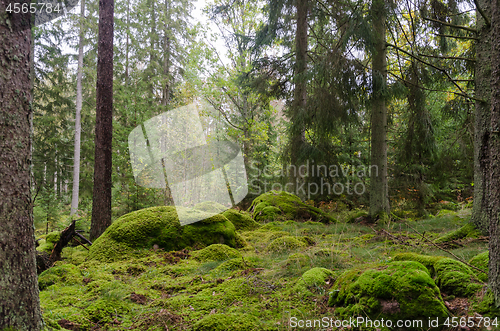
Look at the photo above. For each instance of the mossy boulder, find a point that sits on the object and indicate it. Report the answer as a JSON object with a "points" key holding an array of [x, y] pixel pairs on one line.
{"points": [[282, 206], [397, 290], [487, 306], [451, 276], [312, 282], [67, 274], [285, 244], [234, 264], [216, 252], [160, 226], [241, 220], [466, 231], [481, 261], [210, 207], [223, 322]]}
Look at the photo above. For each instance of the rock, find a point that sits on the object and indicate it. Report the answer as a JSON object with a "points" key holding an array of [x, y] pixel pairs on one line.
{"points": [[211, 207], [142, 229], [451, 276], [396, 290], [282, 206], [241, 220]]}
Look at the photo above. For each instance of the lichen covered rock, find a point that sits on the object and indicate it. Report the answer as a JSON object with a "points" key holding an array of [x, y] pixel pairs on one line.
{"points": [[451, 276], [216, 252], [222, 322], [312, 282], [397, 290], [282, 206], [241, 220], [160, 226], [62, 274]]}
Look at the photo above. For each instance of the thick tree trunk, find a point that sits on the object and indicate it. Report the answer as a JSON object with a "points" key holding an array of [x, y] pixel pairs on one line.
{"points": [[101, 206], [19, 302], [494, 147], [78, 116], [379, 193], [297, 138], [480, 209]]}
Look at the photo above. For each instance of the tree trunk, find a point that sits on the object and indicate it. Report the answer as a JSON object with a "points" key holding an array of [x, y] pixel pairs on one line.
{"points": [[101, 206], [297, 139], [480, 208], [379, 193], [19, 301], [78, 126], [494, 147]]}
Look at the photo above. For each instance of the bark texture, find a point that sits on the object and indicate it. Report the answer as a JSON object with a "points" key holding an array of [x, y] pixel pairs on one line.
{"points": [[19, 302], [379, 193], [297, 139], [480, 211], [78, 117], [101, 206], [494, 147]]}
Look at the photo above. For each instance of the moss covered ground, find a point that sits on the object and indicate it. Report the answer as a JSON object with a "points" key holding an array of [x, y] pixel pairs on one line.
{"points": [[282, 269]]}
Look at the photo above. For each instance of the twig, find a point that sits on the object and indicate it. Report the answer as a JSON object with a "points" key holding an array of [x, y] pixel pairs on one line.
{"points": [[457, 37], [78, 241], [447, 251], [450, 25]]}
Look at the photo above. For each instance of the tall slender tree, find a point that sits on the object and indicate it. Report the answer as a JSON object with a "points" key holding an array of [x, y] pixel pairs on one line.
{"points": [[494, 149], [19, 301], [101, 206], [78, 115], [379, 193]]}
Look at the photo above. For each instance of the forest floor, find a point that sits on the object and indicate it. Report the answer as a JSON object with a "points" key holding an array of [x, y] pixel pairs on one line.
{"points": [[258, 290]]}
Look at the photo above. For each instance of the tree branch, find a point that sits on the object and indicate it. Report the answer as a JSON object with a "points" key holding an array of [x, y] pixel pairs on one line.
{"points": [[457, 37], [480, 10], [448, 57], [450, 25]]}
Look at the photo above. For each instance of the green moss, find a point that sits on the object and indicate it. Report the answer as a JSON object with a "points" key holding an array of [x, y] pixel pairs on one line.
{"points": [[143, 229], [486, 305], [355, 215], [466, 231], [211, 207], [285, 244], [451, 276], [312, 282], [217, 252], [104, 311], [299, 259], [241, 220], [481, 261], [223, 322], [282, 206], [62, 274], [234, 264], [397, 290], [50, 240]]}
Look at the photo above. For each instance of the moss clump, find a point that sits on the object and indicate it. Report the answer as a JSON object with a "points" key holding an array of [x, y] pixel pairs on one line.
{"points": [[143, 229], [50, 240], [397, 290], [241, 220], [234, 264], [281, 206], [104, 311], [481, 261], [353, 217], [217, 252], [285, 244], [487, 307], [312, 282], [466, 231], [211, 207], [67, 274], [223, 322], [451, 276]]}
